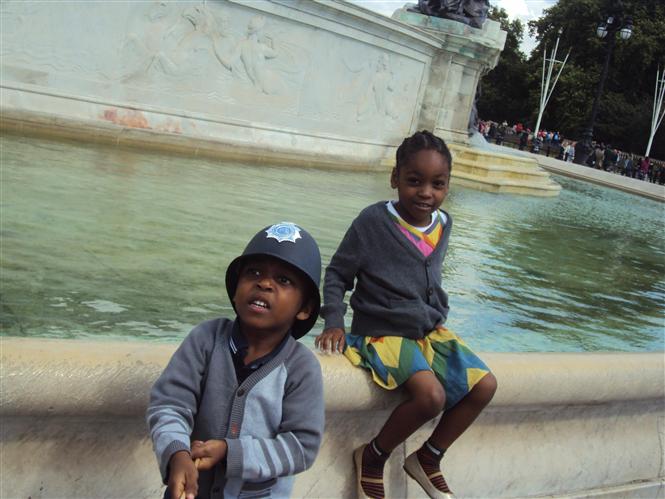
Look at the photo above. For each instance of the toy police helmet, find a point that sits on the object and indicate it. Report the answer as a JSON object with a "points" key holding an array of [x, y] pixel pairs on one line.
{"points": [[293, 245]]}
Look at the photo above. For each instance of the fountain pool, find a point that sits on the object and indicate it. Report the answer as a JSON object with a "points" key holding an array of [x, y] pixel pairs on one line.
{"points": [[106, 243]]}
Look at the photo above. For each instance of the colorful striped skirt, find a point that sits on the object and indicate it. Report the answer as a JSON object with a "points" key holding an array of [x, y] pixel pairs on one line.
{"points": [[392, 360]]}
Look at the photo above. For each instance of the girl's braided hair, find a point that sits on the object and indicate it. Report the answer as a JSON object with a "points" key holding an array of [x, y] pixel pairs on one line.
{"points": [[420, 141]]}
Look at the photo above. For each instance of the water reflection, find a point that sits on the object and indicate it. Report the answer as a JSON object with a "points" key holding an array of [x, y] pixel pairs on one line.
{"points": [[105, 243], [585, 270]]}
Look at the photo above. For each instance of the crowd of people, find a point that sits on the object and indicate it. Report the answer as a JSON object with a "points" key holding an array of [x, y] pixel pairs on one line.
{"points": [[552, 143], [546, 142], [605, 157]]}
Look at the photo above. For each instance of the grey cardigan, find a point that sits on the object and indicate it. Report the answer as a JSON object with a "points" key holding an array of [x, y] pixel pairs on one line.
{"points": [[273, 422], [397, 289]]}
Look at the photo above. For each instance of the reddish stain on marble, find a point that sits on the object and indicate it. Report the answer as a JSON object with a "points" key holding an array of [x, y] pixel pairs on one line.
{"points": [[131, 118], [170, 125]]}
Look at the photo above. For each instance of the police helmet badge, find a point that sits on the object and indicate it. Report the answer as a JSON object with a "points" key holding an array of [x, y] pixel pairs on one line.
{"points": [[283, 231]]}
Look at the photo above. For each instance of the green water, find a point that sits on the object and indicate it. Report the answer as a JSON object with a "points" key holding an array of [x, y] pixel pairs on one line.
{"points": [[99, 242]]}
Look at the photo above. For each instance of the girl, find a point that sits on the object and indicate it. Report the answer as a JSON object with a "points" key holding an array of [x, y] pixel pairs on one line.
{"points": [[393, 253]]}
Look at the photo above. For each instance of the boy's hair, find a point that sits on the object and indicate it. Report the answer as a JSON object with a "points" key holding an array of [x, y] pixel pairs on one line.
{"points": [[297, 248], [420, 141]]}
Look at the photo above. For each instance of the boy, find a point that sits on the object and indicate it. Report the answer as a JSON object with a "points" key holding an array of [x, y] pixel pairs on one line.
{"points": [[245, 393]]}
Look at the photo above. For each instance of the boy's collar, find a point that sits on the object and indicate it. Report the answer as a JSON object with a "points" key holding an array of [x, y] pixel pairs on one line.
{"points": [[238, 341]]}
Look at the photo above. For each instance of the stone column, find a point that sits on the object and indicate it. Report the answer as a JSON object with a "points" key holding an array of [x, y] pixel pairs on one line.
{"points": [[465, 54]]}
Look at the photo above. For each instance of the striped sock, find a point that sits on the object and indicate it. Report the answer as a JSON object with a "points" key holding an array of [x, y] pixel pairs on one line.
{"points": [[429, 457], [373, 462]]}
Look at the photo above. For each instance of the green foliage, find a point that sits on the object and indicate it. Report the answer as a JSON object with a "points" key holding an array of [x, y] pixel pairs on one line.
{"points": [[624, 113], [508, 78]]}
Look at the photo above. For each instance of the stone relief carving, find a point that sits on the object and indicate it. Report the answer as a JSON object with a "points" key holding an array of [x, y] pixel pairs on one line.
{"points": [[170, 41], [173, 41], [217, 58], [253, 52], [372, 86], [471, 12], [379, 95], [155, 49]]}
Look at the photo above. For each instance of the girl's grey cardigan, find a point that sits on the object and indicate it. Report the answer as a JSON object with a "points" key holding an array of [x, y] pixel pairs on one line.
{"points": [[397, 289], [272, 422]]}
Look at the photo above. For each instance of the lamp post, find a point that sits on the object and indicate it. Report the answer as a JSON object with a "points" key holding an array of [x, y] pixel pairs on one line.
{"points": [[614, 24]]}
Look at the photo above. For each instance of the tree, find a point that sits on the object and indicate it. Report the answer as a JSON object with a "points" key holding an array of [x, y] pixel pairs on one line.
{"points": [[504, 90], [624, 108]]}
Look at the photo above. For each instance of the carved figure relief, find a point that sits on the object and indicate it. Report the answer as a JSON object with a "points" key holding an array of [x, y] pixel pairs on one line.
{"points": [[224, 44], [253, 52], [150, 51], [378, 98], [184, 42], [170, 43], [216, 58]]}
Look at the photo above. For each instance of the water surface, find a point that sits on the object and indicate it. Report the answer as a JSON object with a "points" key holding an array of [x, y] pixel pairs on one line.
{"points": [[101, 242]]}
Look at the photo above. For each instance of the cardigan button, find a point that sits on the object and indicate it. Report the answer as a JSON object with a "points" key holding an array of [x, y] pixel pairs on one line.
{"points": [[430, 291], [427, 263], [240, 392]]}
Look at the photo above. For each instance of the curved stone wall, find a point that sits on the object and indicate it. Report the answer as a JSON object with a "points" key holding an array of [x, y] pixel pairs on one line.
{"points": [[560, 424], [315, 81]]}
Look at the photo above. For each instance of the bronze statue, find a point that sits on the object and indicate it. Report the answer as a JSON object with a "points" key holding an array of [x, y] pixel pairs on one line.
{"points": [[471, 12]]}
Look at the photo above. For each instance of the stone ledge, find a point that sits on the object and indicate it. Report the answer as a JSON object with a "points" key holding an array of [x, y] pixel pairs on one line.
{"points": [[32, 123], [561, 425], [601, 177], [66, 377]]}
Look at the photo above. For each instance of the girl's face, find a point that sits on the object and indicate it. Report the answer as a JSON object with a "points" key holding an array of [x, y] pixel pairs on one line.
{"points": [[422, 185]]}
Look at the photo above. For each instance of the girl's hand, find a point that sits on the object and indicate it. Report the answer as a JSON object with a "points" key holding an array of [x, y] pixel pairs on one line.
{"points": [[183, 477], [331, 340], [209, 453]]}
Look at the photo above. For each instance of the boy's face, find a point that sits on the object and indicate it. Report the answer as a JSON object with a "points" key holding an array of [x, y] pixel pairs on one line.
{"points": [[270, 296], [422, 185]]}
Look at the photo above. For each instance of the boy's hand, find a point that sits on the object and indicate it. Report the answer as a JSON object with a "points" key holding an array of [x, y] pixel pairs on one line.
{"points": [[209, 453], [331, 340], [183, 477]]}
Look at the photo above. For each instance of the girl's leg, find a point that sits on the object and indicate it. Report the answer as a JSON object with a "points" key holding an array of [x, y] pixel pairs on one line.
{"points": [[425, 464], [427, 400], [456, 420]]}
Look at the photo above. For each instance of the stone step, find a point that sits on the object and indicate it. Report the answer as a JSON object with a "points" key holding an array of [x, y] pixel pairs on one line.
{"points": [[526, 172], [544, 187]]}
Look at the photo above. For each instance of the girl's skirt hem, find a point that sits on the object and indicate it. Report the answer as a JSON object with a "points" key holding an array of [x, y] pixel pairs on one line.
{"points": [[392, 360]]}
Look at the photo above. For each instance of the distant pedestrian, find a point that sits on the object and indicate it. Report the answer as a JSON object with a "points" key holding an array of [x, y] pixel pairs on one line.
{"points": [[524, 137], [599, 156], [569, 155], [628, 166], [500, 133], [609, 159], [645, 165]]}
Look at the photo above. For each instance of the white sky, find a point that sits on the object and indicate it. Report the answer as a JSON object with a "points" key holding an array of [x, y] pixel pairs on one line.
{"points": [[525, 10]]}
